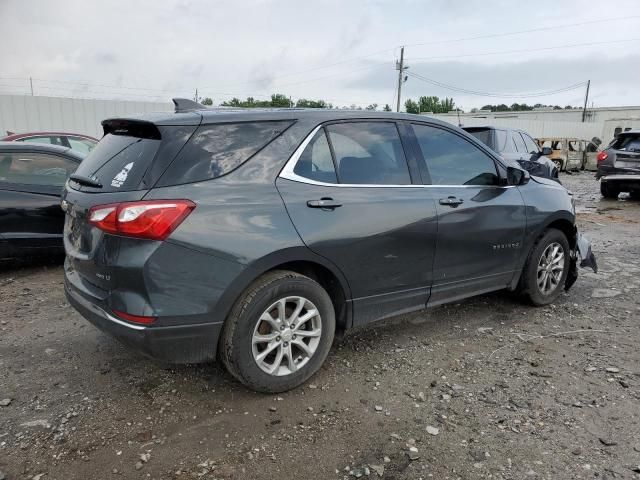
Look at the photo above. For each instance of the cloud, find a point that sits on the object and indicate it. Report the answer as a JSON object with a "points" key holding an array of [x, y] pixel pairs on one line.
{"points": [[341, 51]]}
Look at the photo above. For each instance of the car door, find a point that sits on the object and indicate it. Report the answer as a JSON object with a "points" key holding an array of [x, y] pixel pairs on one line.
{"points": [[30, 188], [354, 194], [481, 221]]}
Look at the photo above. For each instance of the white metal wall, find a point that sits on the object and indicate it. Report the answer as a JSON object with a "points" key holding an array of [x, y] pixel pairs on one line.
{"points": [[23, 113], [536, 128]]}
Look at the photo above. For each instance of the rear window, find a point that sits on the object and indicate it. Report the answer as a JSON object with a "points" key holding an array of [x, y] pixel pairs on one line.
{"points": [[484, 135], [119, 162], [628, 143], [215, 150]]}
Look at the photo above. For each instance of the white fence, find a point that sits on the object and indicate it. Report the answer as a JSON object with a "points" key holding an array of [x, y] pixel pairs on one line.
{"points": [[536, 128], [23, 113]]}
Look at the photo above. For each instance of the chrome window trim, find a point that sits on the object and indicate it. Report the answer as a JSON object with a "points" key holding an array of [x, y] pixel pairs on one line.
{"points": [[288, 173]]}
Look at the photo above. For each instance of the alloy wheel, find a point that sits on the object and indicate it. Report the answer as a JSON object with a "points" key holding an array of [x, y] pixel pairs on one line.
{"points": [[286, 336], [550, 268]]}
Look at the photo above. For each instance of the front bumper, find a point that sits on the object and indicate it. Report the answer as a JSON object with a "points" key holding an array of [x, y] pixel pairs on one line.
{"points": [[174, 344], [582, 253]]}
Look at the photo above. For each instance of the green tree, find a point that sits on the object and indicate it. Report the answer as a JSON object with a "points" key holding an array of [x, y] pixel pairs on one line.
{"points": [[387, 108], [207, 101], [411, 106], [304, 103], [373, 106]]}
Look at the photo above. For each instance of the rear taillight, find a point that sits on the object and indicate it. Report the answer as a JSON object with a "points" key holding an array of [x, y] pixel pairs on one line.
{"points": [[144, 320], [151, 219], [602, 156]]}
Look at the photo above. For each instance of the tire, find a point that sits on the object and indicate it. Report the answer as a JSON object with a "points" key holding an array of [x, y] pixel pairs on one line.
{"points": [[558, 164], [245, 333], [608, 190], [529, 282]]}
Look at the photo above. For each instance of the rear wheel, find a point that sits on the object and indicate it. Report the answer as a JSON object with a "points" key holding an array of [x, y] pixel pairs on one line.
{"points": [[279, 332], [546, 268], [558, 164], [608, 190]]}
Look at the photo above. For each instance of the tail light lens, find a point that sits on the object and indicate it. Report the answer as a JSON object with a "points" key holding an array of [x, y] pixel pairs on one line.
{"points": [[602, 156], [152, 219], [143, 320]]}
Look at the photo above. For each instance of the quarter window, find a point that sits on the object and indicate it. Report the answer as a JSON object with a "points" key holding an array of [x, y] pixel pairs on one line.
{"points": [[501, 142], [368, 153], [452, 160], [316, 162], [35, 169]]}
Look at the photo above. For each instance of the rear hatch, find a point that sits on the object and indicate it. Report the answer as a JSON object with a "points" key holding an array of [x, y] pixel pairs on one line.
{"points": [[627, 150], [124, 165]]}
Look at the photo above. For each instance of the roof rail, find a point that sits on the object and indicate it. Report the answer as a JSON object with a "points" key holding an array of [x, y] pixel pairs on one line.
{"points": [[186, 105]]}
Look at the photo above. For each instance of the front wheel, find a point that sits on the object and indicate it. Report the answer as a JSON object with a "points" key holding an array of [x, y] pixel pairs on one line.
{"points": [[279, 332], [546, 268]]}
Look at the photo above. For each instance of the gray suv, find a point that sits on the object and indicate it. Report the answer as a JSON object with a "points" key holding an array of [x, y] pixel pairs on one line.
{"points": [[256, 236]]}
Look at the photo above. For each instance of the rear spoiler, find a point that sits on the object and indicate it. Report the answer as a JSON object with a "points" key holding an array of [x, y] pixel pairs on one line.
{"points": [[131, 128]]}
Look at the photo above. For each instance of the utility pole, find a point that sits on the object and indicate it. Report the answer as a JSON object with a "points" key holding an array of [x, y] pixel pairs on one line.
{"points": [[195, 97], [586, 99], [31, 84], [401, 68]]}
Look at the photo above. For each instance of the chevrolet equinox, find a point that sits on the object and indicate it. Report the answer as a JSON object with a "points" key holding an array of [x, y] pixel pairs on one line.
{"points": [[256, 235]]}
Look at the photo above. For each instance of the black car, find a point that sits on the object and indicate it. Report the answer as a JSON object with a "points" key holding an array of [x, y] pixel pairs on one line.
{"points": [[257, 235], [619, 166], [31, 180], [517, 146]]}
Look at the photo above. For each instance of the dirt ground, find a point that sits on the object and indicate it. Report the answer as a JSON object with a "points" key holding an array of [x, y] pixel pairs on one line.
{"points": [[488, 388]]}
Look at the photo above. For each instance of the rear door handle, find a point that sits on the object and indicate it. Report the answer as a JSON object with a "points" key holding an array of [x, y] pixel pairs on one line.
{"points": [[451, 201], [324, 203]]}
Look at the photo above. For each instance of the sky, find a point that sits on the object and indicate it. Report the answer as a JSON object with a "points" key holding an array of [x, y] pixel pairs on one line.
{"points": [[341, 51]]}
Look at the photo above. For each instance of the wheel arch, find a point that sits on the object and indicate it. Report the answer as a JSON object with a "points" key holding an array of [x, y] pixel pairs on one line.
{"points": [[300, 260]]}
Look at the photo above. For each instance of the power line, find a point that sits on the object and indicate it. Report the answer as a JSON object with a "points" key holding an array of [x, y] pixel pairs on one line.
{"points": [[498, 95], [527, 50], [532, 30]]}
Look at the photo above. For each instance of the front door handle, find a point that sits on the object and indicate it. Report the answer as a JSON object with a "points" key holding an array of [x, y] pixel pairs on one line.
{"points": [[451, 201], [325, 203]]}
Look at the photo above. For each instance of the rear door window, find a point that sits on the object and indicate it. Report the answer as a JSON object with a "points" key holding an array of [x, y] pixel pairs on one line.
{"points": [[502, 143], [369, 153], [217, 149], [119, 162]]}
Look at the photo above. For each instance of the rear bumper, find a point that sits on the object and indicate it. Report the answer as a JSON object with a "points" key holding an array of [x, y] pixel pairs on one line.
{"points": [[175, 344]]}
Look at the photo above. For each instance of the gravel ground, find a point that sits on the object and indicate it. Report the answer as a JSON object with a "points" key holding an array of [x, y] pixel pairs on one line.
{"points": [[488, 388]]}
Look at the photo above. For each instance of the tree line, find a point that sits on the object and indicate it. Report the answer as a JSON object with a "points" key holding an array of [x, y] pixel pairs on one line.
{"points": [[424, 104]]}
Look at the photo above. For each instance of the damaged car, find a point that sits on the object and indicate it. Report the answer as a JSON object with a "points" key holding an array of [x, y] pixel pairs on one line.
{"points": [[255, 236], [517, 146]]}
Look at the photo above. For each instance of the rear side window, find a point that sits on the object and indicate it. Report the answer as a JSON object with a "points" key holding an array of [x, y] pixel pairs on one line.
{"points": [[368, 153], [484, 135], [502, 145], [452, 160], [519, 143], [35, 169], [532, 146], [119, 162], [43, 139], [215, 150]]}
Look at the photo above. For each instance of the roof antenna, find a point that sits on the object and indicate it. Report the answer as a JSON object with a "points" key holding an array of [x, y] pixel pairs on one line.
{"points": [[186, 105]]}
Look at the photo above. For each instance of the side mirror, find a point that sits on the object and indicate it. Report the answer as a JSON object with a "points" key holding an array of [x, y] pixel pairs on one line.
{"points": [[546, 151], [516, 176]]}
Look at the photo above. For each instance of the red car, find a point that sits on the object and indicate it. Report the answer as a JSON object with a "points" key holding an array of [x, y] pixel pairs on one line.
{"points": [[79, 143]]}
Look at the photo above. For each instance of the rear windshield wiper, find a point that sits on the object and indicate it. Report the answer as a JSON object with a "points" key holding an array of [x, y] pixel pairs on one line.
{"points": [[86, 181]]}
